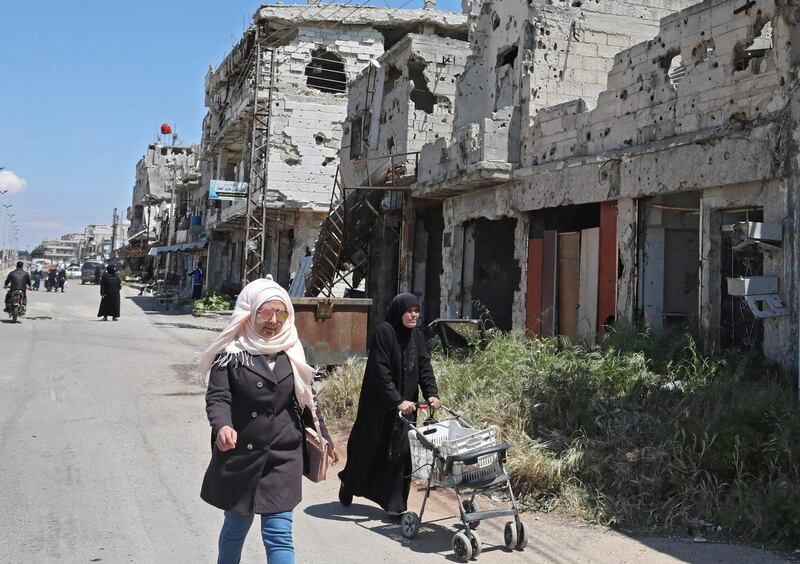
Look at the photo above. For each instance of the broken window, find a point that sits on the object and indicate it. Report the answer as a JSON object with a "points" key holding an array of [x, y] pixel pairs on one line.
{"points": [[504, 80], [421, 95], [676, 71], [325, 72], [753, 50], [392, 75], [507, 57]]}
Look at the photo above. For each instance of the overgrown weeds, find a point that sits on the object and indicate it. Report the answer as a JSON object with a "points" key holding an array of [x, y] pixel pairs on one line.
{"points": [[644, 432], [211, 301]]}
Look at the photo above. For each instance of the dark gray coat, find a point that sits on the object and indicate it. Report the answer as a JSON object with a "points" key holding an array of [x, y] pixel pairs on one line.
{"points": [[263, 474]]}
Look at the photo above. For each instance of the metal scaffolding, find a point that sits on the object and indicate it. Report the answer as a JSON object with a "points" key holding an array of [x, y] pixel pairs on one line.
{"points": [[256, 211]]}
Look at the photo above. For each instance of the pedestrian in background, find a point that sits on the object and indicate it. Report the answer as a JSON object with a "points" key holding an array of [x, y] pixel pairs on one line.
{"points": [[96, 274], [197, 281], [258, 384], [50, 282], [37, 278], [110, 286], [398, 366]]}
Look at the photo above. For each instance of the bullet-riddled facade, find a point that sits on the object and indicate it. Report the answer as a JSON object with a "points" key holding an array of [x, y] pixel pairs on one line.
{"points": [[316, 56]]}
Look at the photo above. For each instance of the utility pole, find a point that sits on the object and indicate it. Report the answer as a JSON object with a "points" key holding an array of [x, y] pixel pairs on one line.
{"points": [[114, 232], [171, 221]]}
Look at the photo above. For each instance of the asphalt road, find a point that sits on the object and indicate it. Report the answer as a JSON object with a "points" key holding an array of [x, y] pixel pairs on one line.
{"points": [[104, 441]]}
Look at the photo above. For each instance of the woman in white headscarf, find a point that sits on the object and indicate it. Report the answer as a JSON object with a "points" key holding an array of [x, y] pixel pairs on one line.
{"points": [[258, 384]]}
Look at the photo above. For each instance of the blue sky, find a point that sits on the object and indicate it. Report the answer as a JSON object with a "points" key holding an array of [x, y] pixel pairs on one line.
{"points": [[84, 86]]}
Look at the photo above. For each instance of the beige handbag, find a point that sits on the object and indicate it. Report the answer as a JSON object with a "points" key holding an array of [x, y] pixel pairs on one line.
{"points": [[316, 467]]}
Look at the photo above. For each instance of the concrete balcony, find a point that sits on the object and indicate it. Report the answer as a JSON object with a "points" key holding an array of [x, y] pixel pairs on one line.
{"points": [[477, 157]]}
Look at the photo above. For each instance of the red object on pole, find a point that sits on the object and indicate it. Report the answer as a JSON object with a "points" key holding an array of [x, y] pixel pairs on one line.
{"points": [[165, 129]]}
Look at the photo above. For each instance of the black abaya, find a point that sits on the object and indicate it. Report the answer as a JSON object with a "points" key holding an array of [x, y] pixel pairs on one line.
{"points": [[378, 458], [110, 285]]}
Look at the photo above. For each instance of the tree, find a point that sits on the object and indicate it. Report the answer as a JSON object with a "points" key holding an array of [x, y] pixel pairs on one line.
{"points": [[37, 252]]}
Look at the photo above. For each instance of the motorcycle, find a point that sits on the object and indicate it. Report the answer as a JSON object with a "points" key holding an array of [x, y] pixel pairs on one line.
{"points": [[16, 305]]}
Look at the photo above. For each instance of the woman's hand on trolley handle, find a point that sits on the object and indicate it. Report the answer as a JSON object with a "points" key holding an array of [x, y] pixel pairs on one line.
{"points": [[226, 439], [407, 407], [435, 403]]}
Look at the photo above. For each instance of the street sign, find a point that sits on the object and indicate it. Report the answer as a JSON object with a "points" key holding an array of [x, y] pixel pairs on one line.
{"points": [[227, 190]]}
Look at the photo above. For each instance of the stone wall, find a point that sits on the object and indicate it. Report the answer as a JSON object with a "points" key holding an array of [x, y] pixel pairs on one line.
{"points": [[525, 57], [702, 71]]}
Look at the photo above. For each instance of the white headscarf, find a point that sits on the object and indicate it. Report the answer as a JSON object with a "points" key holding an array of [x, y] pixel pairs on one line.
{"points": [[240, 340]]}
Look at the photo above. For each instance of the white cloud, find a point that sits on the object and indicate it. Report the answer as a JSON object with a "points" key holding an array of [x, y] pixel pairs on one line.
{"points": [[45, 224], [11, 182]]}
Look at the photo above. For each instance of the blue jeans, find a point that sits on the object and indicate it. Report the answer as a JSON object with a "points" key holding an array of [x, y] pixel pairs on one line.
{"points": [[276, 531]]}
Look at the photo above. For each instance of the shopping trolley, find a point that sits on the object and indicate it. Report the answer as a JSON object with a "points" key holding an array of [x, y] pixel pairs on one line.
{"points": [[452, 454]]}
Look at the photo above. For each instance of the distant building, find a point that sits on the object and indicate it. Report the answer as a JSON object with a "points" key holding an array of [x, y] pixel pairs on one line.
{"points": [[61, 250]]}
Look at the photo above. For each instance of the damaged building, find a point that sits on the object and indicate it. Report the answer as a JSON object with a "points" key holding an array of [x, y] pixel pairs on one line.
{"points": [[400, 102], [164, 170], [314, 53], [606, 162], [686, 165]]}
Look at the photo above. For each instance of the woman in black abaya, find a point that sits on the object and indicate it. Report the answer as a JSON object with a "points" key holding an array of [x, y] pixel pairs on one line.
{"points": [[110, 286], [398, 367]]}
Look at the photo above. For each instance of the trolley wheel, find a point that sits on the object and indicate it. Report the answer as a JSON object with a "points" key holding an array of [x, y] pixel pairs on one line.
{"points": [[475, 541], [462, 547], [522, 536], [471, 506], [510, 535], [409, 524]]}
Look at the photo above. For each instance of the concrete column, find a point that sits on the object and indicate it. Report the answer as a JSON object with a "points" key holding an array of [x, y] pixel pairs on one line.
{"points": [[452, 259], [627, 229], [407, 244]]}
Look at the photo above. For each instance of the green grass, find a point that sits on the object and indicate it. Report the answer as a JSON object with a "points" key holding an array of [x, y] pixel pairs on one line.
{"points": [[608, 434]]}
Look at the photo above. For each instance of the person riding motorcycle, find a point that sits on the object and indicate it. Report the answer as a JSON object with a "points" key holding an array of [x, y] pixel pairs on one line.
{"points": [[17, 280]]}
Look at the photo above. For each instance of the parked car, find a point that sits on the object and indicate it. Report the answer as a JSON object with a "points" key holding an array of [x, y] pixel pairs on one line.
{"points": [[88, 268], [74, 272]]}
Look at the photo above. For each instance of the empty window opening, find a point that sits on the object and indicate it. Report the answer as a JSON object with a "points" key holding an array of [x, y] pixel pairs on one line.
{"points": [[676, 71], [421, 95], [507, 57], [754, 49], [325, 72], [392, 75]]}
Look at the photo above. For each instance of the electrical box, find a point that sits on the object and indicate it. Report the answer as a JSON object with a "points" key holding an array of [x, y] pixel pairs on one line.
{"points": [[760, 294]]}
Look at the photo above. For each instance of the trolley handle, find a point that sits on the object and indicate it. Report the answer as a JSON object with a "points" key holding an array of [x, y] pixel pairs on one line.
{"points": [[472, 457]]}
